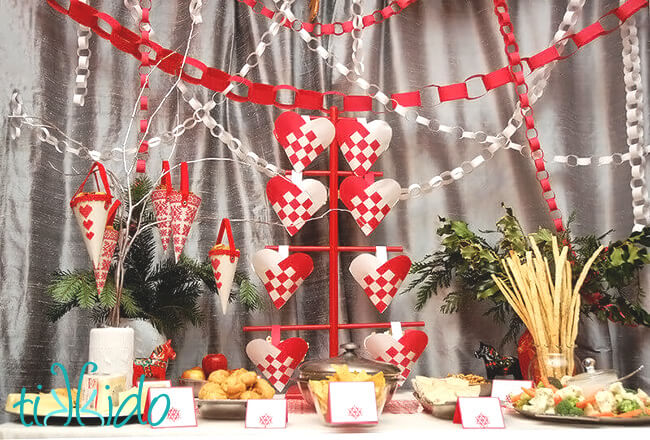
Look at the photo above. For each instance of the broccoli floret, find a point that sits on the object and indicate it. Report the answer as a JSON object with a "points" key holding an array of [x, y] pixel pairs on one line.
{"points": [[567, 407], [627, 405]]}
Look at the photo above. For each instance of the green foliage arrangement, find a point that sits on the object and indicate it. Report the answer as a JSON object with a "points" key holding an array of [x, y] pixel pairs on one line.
{"points": [[467, 261], [165, 293]]}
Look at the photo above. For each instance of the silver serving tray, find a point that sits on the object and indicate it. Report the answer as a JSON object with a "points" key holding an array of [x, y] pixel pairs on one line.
{"points": [[225, 409], [643, 420]]}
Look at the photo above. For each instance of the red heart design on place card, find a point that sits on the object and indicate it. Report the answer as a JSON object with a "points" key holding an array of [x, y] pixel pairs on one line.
{"points": [[380, 281], [85, 210], [295, 204], [87, 224], [303, 139], [369, 203], [277, 364], [90, 235], [362, 143], [402, 353], [281, 276]]}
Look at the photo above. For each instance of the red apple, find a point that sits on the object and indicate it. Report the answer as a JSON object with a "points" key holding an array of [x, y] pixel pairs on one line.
{"points": [[213, 362]]}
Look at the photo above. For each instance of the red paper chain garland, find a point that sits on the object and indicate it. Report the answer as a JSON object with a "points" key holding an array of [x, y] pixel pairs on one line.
{"points": [[517, 70], [144, 70], [338, 28], [267, 94]]}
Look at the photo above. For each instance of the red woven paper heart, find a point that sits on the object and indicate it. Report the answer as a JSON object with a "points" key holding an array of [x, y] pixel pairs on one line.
{"points": [[303, 139], [295, 204], [380, 281], [281, 277], [277, 364], [402, 353], [369, 203], [362, 143]]}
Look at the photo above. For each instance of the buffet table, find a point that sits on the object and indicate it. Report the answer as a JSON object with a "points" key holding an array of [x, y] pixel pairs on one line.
{"points": [[310, 426]]}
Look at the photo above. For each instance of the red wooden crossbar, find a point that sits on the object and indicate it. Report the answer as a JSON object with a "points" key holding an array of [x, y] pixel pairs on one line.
{"points": [[333, 249]]}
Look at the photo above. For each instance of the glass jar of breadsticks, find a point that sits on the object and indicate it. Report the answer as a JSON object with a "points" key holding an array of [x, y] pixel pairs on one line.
{"points": [[548, 303]]}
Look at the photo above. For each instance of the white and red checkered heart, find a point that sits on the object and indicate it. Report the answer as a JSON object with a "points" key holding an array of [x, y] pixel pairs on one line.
{"points": [[277, 364], [380, 281], [362, 143], [281, 277], [402, 353], [295, 204], [183, 213], [163, 211], [303, 139], [369, 203]]}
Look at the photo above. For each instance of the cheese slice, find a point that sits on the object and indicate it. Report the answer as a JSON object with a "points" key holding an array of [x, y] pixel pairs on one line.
{"points": [[105, 386], [130, 405]]}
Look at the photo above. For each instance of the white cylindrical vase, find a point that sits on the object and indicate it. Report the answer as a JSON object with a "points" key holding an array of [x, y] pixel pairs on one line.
{"points": [[111, 348]]}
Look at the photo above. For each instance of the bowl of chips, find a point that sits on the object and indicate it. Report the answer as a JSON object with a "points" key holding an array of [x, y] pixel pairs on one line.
{"points": [[226, 392], [347, 367]]}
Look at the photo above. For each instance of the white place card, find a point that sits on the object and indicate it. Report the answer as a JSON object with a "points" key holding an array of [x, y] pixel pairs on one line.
{"points": [[479, 413], [181, 412], [266, 413], [503, 389], [352, 403]]}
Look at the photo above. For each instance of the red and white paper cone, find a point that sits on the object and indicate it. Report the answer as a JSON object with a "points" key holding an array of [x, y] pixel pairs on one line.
{"points": [[91, 211], [184, 205], [161, 206], [108, 249], [224, 260]]}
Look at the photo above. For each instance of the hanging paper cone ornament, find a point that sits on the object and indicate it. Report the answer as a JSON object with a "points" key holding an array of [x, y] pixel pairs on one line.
{"points": [[184, 206], [281, 276], [161, 206], [302, 138], [91, 212], [362, 143], [402, 353], [380, 281], [295, 204], [369, 203], [224, 260], [108, 249], [277, 364]]}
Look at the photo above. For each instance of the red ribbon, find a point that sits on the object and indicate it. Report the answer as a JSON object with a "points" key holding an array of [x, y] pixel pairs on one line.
{"points": [[265, 94], [166, 179], [111, 213], [185, 181], [225, 227], [96, 167]]}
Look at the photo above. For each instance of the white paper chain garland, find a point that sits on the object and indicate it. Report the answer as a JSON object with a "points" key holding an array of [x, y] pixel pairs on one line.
{"points": [[634, 121], [82, 72], [136, 13], [357, 42], [195, 11]]}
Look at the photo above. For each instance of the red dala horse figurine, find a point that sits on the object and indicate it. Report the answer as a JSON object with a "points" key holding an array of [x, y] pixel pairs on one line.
{"points": [[155, 366]]}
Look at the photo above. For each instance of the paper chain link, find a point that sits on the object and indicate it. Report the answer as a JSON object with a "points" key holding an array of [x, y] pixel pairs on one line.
{"points": [[144, 71], [517, 70], [265, 94], [357, 42], [82, 72], [634, 122], [338, 28], [195, 11]]}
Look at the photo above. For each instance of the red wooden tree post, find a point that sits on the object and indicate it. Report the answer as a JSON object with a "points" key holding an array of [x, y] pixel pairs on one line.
{"points": [[333, 249]]}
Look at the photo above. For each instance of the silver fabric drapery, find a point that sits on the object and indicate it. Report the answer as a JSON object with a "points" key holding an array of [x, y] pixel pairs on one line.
{"points": [[581, 112]]}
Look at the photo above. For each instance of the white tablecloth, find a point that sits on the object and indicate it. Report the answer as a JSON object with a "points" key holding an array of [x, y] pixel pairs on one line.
{"points": [[310, 427]]}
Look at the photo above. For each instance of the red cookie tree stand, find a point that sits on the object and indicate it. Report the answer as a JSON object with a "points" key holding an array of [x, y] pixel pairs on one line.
{"points": [[333, 249]]}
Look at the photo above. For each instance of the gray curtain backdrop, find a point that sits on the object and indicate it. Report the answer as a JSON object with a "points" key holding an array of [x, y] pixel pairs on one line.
{"points": [[581, 112]]}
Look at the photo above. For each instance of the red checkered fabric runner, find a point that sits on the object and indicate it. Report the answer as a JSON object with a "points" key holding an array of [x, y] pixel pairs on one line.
{"points": [[369, 211]]}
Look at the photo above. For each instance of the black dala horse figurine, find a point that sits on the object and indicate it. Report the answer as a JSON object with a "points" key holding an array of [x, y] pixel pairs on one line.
{"points": [[497, 365]]}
